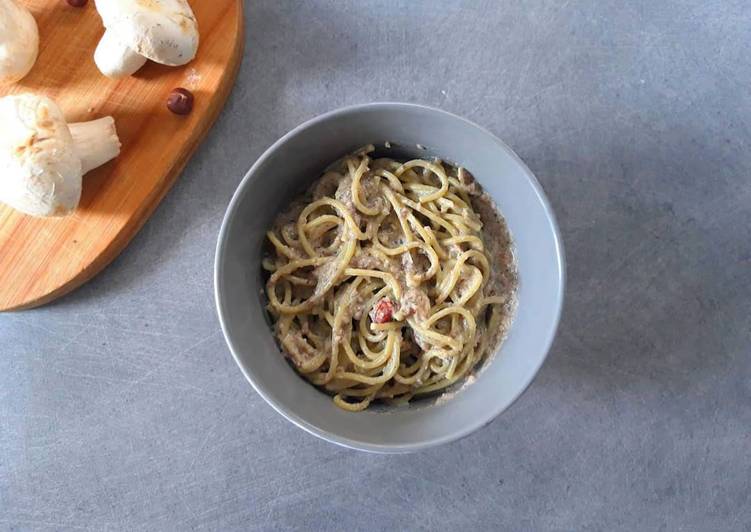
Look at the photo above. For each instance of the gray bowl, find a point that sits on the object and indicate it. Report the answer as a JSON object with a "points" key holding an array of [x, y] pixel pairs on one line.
{"points": [[299, 157]]}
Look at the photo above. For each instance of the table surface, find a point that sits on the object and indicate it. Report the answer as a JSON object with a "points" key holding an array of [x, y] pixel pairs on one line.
{"points": [[121, 407]]}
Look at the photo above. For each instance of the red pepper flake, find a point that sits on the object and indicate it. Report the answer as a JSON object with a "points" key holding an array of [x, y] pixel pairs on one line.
{"points": [[382, 311]]}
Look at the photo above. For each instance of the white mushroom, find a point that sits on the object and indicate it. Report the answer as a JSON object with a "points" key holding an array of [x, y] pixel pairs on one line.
{"points": [[164, 31], [19, 41], [42, 159]]}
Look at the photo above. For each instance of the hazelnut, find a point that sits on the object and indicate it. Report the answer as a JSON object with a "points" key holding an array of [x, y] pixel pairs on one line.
{"points": [[180, 101]]}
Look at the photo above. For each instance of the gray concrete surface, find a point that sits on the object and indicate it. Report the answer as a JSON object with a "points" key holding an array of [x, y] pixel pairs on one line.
{"points": [[121, 408]]}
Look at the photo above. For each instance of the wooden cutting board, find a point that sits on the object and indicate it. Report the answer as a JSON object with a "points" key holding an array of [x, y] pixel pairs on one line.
{"points": [[44, 258]]}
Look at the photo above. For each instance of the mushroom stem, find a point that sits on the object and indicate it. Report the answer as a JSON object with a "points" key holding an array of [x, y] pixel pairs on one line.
{"points": [[95, 142], [114, 59]]}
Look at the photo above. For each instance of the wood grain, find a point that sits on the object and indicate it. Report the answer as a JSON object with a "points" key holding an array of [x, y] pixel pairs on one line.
{"points": [[44, 258]]}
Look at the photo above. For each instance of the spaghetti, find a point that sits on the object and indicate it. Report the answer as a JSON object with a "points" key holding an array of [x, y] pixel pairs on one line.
{"points": [[389, 280]]}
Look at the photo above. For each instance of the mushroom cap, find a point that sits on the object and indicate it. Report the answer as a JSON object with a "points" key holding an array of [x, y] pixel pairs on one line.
{"points": [[164, 31], [40, 172], [19, 41]]}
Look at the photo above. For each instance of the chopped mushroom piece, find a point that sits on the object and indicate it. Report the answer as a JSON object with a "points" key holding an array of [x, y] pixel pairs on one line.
{"points": [[415, 301], [19, 41], [42, 158], [469, 182], [164, 31]]}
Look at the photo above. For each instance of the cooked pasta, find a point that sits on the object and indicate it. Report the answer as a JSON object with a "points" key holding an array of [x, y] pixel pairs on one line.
{"points": [[389, 280]]}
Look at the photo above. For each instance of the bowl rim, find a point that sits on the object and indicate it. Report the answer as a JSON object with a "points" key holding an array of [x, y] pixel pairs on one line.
{"points": [[460, 432]]}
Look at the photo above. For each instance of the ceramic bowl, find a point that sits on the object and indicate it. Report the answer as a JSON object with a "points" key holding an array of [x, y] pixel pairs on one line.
{"points": [[287, 168]]}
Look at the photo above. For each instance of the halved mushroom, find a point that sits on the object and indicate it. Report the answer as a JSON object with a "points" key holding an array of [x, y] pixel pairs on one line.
{"points": [[42, 159], [19, 41], [164, 31]]}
